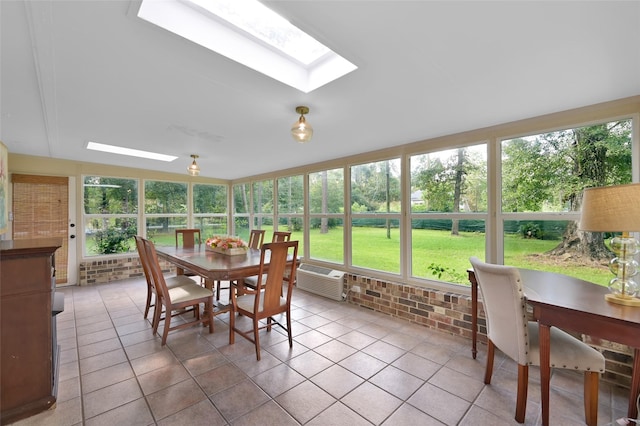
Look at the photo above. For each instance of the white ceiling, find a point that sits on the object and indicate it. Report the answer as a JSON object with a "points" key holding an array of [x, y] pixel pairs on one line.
{"points": [[79, 71]]}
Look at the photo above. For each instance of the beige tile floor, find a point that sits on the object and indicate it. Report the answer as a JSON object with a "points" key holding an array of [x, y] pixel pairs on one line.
{"points": [[348, 366]]}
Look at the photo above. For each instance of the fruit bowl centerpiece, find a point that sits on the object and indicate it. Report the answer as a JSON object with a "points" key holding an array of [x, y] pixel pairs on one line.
{"points": [[226, 244]]}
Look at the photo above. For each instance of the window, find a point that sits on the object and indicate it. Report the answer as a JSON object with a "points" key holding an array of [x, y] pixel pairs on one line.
{"points": [[110, 215], [448, 191], [263, 206], [291, 207], [165, 209], [210, 209], [376, 202], [241, 209], [543, 176], [326, 215]]}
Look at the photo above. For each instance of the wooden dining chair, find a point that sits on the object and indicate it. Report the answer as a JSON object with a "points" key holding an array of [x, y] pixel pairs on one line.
{"points": [[177, 298], [266, 301], [278, 236], [152, 292], [256, 237], [189, 237], [509, 330]]}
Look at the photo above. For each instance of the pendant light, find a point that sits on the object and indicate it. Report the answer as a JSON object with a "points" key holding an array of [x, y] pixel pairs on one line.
{"points": [[194, 169], [301, 130]]}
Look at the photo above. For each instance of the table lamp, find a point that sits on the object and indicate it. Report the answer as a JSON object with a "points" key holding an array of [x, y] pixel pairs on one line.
{"points": [[616, 209]]}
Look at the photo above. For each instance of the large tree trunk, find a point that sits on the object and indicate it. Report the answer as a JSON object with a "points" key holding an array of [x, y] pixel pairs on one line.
{"points": [[586, 245], [590, 166]]}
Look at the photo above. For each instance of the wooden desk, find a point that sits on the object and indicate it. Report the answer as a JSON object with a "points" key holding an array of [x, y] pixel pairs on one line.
{"points": [[576, 305]]}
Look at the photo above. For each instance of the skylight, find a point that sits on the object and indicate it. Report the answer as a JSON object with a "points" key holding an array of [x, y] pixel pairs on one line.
{"points": [[130, 152], [248, 32]]}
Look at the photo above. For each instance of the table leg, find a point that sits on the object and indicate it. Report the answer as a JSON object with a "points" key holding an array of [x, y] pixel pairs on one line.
{"points": [[632, 412], [474, 313], [209, 285], [545, 370]]}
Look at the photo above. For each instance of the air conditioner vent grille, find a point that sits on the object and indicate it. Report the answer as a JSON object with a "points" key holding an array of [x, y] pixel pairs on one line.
{"points": [[317, 269], [322, 281]]}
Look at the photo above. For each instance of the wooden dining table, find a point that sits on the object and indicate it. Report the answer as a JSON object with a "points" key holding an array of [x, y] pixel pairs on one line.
{"points": [[574, 305], [214, 266]]}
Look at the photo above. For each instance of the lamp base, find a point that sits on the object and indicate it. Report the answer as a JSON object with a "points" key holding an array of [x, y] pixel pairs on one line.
{"points": [[627, 301]]}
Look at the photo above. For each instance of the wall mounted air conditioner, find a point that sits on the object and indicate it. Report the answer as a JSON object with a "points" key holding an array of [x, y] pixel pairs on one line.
{"points": [[321, 281]]}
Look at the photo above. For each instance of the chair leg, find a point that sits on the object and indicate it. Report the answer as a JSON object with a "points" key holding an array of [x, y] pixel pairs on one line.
{"points": [[289, 329], [591, 379], [157, 313], [218, 290], [167, 325], [148, 305], [256, 337], [489, 368], [210, 315], [232, 327], [521, 399]]}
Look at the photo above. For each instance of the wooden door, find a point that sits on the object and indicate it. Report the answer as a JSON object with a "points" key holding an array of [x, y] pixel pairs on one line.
{"points": [[41, 210]]}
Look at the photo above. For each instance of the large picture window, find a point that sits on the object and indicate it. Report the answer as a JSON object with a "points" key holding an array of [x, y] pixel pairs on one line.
{"points": [[448, 212], [376, 202], [290, 215], [210, 209], [326, 215], [543, 176], [110, 214], [165, 208]]}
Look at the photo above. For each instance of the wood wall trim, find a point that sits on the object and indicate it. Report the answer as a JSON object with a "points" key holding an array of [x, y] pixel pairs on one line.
{"points": [[51, 180]]}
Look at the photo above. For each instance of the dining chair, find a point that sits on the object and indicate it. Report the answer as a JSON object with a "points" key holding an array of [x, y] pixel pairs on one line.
{"points": [[152, 292], [266, 300], [278, 236], [177, 298], [190, 237], [256, 237], [509, 329]]}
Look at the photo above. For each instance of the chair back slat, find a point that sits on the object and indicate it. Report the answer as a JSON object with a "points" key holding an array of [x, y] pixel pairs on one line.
{"points": [[271, 282], [156, 270], [256, 238], [280, 236], [189, 237]]}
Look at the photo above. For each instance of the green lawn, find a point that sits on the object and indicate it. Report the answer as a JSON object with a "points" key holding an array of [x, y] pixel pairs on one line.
{"points": [[437, 251]]}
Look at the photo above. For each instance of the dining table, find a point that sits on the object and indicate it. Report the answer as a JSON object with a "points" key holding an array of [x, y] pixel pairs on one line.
{"points": [[574, 305], [215, 266]]}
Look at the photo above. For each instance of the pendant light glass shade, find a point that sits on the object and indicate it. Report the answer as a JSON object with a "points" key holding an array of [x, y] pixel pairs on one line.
{"points": [[194, 169], [301, 130]]}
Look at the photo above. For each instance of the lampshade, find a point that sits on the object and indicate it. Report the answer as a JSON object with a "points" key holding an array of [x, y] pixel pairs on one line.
{"points": [[301, 130], [611, 209], [194, 169]]}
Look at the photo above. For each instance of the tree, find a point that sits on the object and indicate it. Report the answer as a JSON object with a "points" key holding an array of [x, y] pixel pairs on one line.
{"points": [[601, 156], [549, 172]]}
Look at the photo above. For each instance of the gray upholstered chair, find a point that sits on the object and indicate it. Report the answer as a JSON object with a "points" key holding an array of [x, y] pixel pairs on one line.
{"points": [[510, 331]]}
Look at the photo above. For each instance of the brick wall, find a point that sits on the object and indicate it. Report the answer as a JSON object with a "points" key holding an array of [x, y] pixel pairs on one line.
{"points": [[451, 313], [440, 310]]}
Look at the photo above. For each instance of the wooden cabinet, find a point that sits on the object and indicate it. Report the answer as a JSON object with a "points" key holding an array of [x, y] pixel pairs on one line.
{"points": [[28, 351]]}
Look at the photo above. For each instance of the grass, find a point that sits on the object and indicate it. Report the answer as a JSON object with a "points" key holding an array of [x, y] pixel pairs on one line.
{"points": [[436, 254]]}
